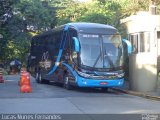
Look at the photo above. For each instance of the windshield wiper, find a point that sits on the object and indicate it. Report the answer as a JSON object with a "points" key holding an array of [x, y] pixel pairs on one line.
{"points": [[97, 59], [108, 59]]}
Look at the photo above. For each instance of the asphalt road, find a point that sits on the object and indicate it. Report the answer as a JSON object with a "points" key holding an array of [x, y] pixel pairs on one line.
{"points": [[54, 99]]}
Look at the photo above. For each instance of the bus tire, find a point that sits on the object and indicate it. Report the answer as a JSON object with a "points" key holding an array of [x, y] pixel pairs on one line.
{"points": [[66, 83]]}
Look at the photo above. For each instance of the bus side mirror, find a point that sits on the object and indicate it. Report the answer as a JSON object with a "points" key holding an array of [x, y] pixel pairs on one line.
{"points": [[129, 46], [76, 44]]}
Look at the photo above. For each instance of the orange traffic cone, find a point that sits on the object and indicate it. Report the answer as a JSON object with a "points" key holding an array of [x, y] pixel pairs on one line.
{"points": [[24, 79], [25, 89], [1, 76], [21, 77], [25, 86]]}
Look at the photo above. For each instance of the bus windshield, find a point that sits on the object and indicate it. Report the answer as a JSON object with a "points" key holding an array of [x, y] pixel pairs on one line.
{"points": [[101, 51]]}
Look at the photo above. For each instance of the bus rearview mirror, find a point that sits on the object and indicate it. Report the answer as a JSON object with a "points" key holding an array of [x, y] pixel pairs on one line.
{"points": [[76, 44], [129, 46]]}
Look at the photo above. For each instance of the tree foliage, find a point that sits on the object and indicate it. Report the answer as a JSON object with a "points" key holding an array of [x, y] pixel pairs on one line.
{"points": [[96, 11], [21, 19], [28, 17]]}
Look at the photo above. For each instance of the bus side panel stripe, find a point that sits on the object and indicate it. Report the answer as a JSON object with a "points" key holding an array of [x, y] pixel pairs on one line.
{"points": [[62, 44], [66, 27], [71, 69]]}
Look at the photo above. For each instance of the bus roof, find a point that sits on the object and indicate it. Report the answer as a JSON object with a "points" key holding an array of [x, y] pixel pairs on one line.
{"points": [[93, 28], [83, 27]]}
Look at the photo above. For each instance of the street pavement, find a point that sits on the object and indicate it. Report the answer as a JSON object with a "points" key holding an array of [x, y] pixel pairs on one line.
{"points": [[54, 99]]}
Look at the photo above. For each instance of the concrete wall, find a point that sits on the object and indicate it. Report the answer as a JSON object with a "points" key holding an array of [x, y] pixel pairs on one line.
{"points": [[143, 72], [142, 21], [143, 65]]}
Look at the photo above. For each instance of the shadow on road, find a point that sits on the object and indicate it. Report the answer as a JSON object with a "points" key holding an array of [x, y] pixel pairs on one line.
{"points": [[86, 90]]}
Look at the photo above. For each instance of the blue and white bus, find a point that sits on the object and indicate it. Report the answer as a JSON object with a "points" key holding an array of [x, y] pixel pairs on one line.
{"points": [[78, 54]]}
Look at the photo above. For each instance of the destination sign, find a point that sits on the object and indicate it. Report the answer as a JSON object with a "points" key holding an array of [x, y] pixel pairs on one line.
{"points": [[90, 36]]}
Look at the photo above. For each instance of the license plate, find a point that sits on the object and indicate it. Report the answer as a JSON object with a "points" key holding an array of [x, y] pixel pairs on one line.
{"points": [[103, 83]]}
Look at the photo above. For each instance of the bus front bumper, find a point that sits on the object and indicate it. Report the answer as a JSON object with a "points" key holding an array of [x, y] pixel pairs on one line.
{"points": [[84, 82]]}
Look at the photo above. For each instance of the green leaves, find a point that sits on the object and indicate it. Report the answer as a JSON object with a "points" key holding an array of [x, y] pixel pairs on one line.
{"points": [[30, 17], [93, 17], [96, 11]]}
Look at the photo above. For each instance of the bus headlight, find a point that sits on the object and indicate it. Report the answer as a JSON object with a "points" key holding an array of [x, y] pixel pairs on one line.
{"points": [[120, 75], [83, 74]]}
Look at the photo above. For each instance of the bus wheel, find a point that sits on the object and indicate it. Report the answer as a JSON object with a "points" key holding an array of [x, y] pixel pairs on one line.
{"points": [[66, 83]]}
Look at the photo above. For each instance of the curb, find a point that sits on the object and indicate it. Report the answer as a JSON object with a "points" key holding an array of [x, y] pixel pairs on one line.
{"points": [[140, 94]]}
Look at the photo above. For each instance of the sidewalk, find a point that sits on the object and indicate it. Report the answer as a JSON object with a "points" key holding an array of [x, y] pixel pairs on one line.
{"points": [[150, 95]]}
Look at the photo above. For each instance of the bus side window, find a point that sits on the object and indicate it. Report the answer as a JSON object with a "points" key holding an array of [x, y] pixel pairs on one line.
{"points": [[57, 37], [66, 51], [45, 44]]}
